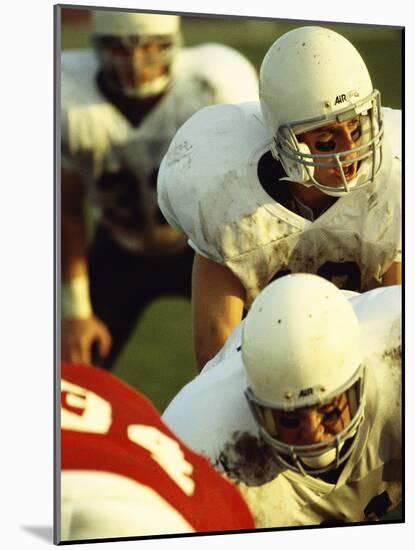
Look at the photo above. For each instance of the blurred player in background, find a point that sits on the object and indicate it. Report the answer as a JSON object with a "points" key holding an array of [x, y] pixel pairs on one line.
{"points": [[302, 406], [125, 474], [122, 102], [308, 179]]}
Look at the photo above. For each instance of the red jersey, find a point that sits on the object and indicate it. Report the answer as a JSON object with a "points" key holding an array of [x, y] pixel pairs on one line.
{"points": [[109, 427]]}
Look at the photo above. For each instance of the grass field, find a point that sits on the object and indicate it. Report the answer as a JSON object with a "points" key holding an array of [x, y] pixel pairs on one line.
{"points": [[158, 359]]}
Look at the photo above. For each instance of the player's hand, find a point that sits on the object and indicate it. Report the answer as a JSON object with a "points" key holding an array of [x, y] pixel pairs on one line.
{"points": [[80, 335]]}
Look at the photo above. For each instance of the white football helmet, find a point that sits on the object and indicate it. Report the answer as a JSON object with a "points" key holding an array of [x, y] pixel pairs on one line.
{"points": [[309, 78], [114, 30], [301, 348]]}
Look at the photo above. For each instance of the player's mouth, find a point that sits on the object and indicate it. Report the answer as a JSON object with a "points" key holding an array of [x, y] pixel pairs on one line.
{"points": [[349, 171]]}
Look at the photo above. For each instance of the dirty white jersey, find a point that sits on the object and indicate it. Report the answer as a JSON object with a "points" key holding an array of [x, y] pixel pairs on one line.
{"points": [[208, 188], [212, 416], [118, 161]]}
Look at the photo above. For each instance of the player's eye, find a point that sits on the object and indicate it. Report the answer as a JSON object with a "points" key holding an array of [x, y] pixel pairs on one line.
{"points": [[289, 422], [164, 44], [331, 416], [325, 145], [132, 41]]}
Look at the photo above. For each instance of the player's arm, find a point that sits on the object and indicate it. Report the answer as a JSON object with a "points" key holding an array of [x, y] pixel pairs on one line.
{"points": [[393, 276], [217, 307], [80, 328]]}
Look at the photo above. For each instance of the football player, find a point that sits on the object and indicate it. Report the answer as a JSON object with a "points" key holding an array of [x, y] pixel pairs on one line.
{"points": [[122, 102], [308, 179], [125, 474], [302, 407]]}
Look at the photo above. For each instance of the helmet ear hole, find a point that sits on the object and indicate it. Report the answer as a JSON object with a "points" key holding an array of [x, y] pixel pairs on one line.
{"points": [[295, 170]]}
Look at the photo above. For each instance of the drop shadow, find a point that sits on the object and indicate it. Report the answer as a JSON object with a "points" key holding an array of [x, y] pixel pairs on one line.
{"points": [[42, 532]]}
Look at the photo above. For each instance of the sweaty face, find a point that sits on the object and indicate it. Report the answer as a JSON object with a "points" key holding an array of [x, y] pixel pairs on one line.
{"points": [[335, 138], [311, 425]]}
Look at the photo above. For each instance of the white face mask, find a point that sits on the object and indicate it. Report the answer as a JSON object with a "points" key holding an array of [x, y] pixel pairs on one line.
{"points": [[322, 460]]}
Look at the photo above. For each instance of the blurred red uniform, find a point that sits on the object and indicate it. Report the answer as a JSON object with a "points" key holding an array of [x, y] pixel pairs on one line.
{"points": [[124, 473]]}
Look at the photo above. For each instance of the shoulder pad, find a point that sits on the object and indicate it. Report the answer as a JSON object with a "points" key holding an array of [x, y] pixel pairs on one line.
{"points": [[209, 158], [393, 129], [78, 69], [232, 77], [379, 312]]}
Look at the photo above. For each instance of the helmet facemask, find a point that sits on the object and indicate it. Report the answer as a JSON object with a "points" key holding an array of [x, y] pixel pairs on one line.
{"points": [[302, 351], [124, 70], [317, 458], [300, 164], [312, 77]]}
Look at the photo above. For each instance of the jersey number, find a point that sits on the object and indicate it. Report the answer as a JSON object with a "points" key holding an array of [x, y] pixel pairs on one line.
{"points": [[166, 452], [85, 411]]}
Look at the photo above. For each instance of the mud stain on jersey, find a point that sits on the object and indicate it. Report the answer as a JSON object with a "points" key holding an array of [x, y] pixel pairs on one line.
{"points": [[393, 356], [393, 359], [372, 201], [248, 459], [181, 153], [205, 87]]}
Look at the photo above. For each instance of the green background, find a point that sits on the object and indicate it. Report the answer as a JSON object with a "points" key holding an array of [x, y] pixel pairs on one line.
{"points": [[158, 359]]}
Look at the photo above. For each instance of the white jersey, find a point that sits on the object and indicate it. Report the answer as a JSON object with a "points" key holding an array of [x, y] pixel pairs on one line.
{"points": [[209, 188], [119, 161], [212, 416]]}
